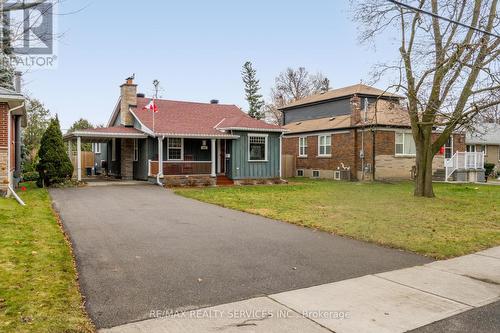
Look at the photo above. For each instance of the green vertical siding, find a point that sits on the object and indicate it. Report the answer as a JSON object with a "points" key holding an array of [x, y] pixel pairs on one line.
{"points": [[241, 168]]}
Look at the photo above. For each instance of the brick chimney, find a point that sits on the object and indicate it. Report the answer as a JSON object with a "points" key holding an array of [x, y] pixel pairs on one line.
{"points": [[128, 95], [355, 109]]}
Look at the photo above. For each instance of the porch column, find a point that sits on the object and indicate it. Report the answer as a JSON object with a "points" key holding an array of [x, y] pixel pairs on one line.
{"points": [[69, 149], [219, 166], [213, 174], [79, 158], [160, 155]]}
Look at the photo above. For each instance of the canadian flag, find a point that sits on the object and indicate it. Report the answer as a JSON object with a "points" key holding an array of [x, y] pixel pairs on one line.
{"points": [[151, 106]]}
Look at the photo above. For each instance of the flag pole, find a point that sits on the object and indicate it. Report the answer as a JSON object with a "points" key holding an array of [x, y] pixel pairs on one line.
{"points": [[155, 83]]}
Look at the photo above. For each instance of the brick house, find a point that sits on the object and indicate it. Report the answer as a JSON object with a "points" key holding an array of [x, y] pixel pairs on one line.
{"points": [[197, 143], [356, 132], [12, 119]]}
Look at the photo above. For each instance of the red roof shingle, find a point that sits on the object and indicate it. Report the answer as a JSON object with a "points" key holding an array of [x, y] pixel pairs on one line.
{"points": [[184, 118]]}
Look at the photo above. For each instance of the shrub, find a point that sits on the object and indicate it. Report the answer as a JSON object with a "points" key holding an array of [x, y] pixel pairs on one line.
{"points": [[30, 176], [488, 168], [54, 165]]}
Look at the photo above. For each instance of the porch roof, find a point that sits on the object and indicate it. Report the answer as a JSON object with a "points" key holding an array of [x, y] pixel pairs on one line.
{"points": [[103, 134]]}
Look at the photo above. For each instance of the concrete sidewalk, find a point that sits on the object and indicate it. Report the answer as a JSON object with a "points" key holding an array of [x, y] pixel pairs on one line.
{"points": [[395, 301]]}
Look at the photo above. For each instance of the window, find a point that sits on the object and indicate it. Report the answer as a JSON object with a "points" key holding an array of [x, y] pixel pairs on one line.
{"points": [[97, 148], [324, 145], [300, 172], [303, 146], [174, 149], [405, 145], [257, 147], [471, 148], [113, 149], [136, 150], [482, 149], [315, 173]]}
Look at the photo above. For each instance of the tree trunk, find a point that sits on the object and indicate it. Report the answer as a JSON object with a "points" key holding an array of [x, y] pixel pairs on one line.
{"points": [[425, 155]]}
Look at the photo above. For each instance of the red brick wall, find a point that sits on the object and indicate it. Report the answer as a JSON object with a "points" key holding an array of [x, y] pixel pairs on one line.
{"points": [[346, 147], [343, 151], [4, 107]]}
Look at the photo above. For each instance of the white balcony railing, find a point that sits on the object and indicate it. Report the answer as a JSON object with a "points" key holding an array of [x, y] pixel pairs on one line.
{"points": [[463, 160]]}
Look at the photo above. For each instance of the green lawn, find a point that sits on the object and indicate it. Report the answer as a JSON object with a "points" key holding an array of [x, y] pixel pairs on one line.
{"points": [[461, 219], [38, 287]]}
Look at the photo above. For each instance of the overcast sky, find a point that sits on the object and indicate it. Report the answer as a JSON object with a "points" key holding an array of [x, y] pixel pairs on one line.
{"points": [[196, 50]]}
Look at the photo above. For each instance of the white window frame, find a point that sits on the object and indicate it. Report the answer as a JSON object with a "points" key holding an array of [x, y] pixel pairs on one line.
{"points": [[97, 148], [318, 176], [403, 143], [136, 150], [113, 149], [303, 146], [175, 148], [266, 146], [319, 145], [303, 173]]}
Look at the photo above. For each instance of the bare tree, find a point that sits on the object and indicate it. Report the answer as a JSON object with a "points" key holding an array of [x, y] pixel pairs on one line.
{"points": [[292, 85], [448, 71]]}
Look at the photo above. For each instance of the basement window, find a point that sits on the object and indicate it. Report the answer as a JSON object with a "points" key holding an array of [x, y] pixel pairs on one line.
{"points": [[300, 172], [315, 174]]}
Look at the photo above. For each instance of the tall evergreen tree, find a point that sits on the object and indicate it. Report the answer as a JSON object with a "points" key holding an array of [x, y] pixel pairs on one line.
{"points": [[54, 165], [6, 71], [252, 87]]}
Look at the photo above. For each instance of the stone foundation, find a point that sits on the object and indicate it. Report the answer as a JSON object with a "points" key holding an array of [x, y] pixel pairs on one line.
{"points": [[4, 181], [400, 167], [189, 180], [259, 181]]}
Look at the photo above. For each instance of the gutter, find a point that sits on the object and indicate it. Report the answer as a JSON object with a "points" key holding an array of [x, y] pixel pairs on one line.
{"points": [[9, 144]]}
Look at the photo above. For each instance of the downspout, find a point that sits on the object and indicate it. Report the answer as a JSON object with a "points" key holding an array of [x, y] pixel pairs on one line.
{"points": [[373, 154], [281, 155], [9, 121], [160, 162]]}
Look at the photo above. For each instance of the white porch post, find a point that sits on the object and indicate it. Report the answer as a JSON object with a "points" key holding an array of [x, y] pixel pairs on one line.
{"points": [[213, 174], [219, 166], [160, 155], [79, 158]]}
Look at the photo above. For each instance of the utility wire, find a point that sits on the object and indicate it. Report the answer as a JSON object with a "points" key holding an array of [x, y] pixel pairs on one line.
{"points": [[443, 18]]}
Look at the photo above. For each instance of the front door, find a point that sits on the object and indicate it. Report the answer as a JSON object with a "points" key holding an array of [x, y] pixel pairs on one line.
{"points": [[222, 156], [448, 148]]}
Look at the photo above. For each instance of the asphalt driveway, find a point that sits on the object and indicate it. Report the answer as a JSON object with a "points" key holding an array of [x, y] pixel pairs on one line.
{"points": [[142, 249]]}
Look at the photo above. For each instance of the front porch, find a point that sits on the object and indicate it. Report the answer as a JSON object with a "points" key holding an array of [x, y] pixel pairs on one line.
{"points": [[191, 161], [465, 167]]}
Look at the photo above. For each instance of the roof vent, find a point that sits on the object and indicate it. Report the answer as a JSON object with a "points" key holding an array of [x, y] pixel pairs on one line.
{"points": [[298, 123], [331, 119], [141, 95], [214, 101]]}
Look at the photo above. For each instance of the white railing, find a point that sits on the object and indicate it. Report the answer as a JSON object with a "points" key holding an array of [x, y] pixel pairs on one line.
{"points": [[463, 160]]}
